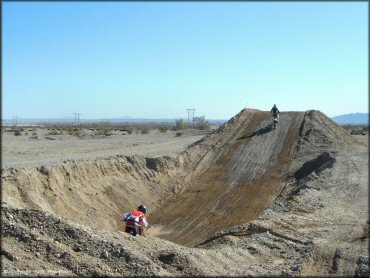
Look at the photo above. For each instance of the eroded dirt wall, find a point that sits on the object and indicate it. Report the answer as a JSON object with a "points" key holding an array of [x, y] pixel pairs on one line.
{"points": [[93, 193]]}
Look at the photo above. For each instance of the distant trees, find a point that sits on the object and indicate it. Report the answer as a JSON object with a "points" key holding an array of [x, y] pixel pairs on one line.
{"points": [[201, 123], [180, 124]]}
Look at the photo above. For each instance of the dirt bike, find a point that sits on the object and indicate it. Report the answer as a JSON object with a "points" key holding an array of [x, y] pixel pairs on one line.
{"points": [[275, 121]]}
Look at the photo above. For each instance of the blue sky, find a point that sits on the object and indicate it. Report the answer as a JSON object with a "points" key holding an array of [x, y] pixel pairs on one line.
{"points": [[156, 59]]}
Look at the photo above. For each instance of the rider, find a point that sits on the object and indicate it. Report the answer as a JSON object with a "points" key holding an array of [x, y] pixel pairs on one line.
{"points": [[136, 221], [275, 112]]}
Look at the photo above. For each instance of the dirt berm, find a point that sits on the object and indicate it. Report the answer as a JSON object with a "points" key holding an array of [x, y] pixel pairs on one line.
{"points": [[244, 200]]}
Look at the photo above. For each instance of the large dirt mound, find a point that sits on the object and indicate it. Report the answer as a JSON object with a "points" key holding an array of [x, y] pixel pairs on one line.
{"points": [[243, 167], [246, 192]]}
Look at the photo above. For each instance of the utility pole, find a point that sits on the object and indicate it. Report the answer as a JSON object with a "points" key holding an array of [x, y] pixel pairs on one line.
{"points": [[190, 111], [77, 118], [15, 122]]}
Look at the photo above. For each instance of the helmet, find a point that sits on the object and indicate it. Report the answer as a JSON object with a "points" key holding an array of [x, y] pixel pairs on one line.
{"points": [[142, 208], [274, 105]]}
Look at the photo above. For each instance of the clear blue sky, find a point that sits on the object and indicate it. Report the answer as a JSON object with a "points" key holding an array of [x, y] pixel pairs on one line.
{"points": [[156, 59]]}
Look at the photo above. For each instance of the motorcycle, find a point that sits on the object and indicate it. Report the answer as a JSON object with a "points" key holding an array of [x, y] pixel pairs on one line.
{"points": [[275, 121]]}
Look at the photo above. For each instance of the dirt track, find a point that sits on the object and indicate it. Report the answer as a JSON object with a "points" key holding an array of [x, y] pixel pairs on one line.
{"points": [[292, 201]]}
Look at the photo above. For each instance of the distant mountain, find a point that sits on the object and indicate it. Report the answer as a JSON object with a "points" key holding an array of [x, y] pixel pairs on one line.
{"points": [[353, 118]]}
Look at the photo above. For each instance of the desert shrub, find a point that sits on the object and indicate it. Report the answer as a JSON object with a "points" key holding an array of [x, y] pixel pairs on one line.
{"points": [[144, 129], [163, 128], [69, 130], [34, 133], [107, 132], [17, 132], [178, 134], [180, 124], [129, 129], [201, 123], [76, 133], [103, 131], [53, 133], [26, 133]]}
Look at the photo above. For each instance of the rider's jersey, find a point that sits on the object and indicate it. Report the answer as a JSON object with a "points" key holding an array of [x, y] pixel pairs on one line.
{"points": [[135, 219], [275, 111]]}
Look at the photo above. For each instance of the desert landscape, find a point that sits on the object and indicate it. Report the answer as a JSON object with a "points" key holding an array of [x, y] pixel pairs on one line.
{"points": [[239, 200]]}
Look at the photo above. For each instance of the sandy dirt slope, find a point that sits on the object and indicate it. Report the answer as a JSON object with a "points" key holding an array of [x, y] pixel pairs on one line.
{"points": [[323, 214], [238, 186]]}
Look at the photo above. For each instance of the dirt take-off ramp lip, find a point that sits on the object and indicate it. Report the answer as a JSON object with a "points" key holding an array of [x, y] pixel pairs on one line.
{"points": [[238, 185]]}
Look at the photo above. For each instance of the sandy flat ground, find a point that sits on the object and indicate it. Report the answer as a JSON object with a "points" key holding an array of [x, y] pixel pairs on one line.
{"points": [[29, 151], [362, 138]]}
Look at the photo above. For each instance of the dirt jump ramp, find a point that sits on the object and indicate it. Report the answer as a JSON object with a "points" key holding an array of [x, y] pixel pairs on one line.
{"points": [[238, 185]]}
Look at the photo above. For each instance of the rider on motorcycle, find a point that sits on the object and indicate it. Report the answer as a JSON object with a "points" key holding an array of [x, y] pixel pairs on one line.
{"points": [[275, 114], [136, 221]]}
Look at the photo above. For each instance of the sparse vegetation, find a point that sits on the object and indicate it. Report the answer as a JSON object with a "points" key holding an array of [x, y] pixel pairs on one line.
{"points": [[107, 132], [129, 130], [201, 123], [357, 129], [144, 129], [180, 124], [164, 128], [17, 132], [54, 132], [104, 131], [179, 134]]}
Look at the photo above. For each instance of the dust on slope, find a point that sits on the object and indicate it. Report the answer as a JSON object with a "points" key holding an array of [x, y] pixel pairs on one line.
{"points": [[238, 185]]}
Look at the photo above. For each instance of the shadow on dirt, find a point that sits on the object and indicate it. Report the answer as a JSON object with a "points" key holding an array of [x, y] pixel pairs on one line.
{"points": [[259, 132], [324, 160]]}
